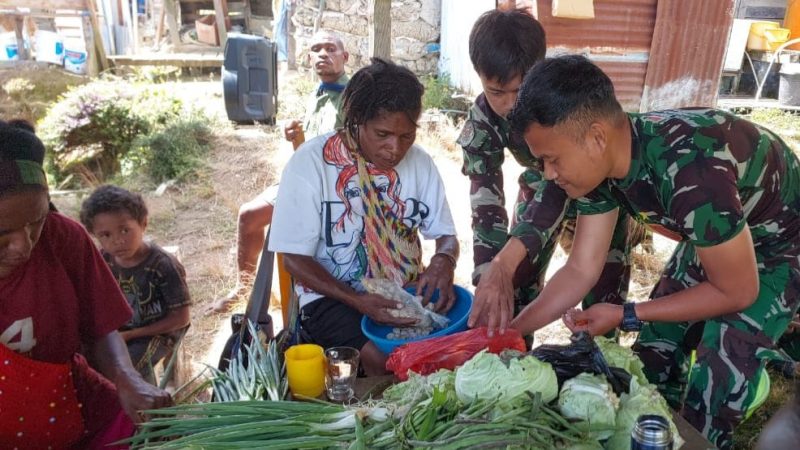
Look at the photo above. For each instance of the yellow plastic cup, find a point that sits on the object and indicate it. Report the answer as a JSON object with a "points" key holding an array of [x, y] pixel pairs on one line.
{"points": [[305, 368]]}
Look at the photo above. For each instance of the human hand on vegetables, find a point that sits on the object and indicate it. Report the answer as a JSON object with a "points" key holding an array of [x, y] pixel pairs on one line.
{"points": [[378, 308], [493, 305], [598, 319], [438, 275], [137, 395]]}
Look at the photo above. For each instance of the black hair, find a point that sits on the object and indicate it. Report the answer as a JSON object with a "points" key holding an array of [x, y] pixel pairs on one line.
{"points": [[18, 141], [567, 88], [112, 199], [381, 87], [504, 44]]}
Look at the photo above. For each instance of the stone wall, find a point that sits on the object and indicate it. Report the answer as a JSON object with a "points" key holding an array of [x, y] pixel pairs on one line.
{"points": [[415, 25]]}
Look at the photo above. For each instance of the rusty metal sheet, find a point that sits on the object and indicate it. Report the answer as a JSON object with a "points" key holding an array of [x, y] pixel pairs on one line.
{"points": [[618, 26], [628, 78], [689, 43]]}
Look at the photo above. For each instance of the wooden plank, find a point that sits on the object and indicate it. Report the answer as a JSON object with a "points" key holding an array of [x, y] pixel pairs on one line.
{"points": [[169, 59], [92, 66], [43, 4], [98, 40], [736, 45], [380, 28], [19, 24], [172, 22], [220, 12]]}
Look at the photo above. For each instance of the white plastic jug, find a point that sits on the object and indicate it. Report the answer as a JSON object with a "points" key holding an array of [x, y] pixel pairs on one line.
{"points": [[75, 56], [49, 47], [8, 47]]}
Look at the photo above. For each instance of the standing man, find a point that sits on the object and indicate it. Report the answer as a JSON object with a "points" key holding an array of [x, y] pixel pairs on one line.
{"points": [[323, 113], [726, 189], [510, 267]]}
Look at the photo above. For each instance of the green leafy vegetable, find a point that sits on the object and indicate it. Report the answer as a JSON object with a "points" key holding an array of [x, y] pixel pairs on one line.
{"points": [[486, 377], [589, 397]]}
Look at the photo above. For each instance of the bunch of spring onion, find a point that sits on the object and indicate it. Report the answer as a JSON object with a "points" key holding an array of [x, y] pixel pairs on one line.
{"points": [[269, 425], [253, 374]]}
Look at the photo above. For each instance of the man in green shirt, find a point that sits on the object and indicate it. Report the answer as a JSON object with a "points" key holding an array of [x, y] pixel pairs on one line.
{"points": [[327, 57], [726, 189]]}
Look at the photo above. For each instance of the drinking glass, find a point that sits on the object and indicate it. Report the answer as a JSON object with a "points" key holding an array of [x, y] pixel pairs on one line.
{"points": [[341, 371]]}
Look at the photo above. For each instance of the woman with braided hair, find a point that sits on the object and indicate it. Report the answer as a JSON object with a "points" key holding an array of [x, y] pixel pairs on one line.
{"points": [[58, 299], [353, 203]]}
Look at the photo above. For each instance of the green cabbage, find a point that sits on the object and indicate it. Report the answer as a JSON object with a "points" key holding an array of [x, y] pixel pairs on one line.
{"points": [[486, 377], [589, 397], [642, 399], [622, 357]]}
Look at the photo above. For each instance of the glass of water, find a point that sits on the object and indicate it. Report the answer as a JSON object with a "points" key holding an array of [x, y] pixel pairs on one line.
{"points": [[340, 372]]}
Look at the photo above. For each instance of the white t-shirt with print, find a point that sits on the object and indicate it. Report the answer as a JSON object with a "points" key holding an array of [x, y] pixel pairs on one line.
{"points": [[312, 216]]}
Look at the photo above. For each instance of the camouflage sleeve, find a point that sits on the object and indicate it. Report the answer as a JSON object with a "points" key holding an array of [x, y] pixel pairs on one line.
{"points": [[598, 201], [704, 200], [483, 160], [538, 212]]}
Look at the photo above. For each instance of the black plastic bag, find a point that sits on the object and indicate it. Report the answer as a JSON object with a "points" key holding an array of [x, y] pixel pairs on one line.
{"points": [[582, 355]]}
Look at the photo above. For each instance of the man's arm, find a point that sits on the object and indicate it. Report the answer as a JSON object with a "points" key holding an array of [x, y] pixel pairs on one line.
{"points": [[573, 281], [112, 359], [732, 285], [312, 275], [544, 207]]}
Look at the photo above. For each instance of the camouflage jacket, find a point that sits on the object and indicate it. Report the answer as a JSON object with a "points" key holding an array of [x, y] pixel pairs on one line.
{"points": [[324, 111], [701, 175], [540, 205]]}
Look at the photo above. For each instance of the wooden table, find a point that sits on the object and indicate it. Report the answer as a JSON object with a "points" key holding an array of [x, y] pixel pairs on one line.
{"points": [[374, 386]]}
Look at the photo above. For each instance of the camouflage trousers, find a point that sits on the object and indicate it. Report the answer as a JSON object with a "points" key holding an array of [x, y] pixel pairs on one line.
{"points": [[611, 287], [714, 394]]}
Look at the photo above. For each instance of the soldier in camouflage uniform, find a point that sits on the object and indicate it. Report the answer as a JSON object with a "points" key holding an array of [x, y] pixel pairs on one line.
{"points": [[503, 46], [726, 189]]}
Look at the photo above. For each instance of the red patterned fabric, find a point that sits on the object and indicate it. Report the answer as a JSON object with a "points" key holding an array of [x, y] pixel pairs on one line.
{"points": [[39, 408]]}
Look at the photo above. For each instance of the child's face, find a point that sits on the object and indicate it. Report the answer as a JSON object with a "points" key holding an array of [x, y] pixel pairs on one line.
{"points": [[119, 234], [501, 96]]}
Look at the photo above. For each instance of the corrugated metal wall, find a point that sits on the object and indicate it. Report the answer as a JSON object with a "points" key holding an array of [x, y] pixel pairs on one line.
{"points": [[689, 44], [660, 54], [617, 39]]}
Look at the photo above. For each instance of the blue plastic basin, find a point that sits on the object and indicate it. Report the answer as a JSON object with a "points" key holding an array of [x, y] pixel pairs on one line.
{"points": [[458, 316]]}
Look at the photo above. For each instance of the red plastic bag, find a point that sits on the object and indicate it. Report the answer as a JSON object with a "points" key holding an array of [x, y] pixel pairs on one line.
{"points": [[449, 352]]}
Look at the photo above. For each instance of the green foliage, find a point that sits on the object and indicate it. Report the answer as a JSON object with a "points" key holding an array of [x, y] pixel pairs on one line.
{"points": [[28, 93], [440, 95], [92, 129], [173, 152]]}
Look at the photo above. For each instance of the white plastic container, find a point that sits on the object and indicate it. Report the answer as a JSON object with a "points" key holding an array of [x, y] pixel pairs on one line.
{"points": [[49, 47], [8, 47], [75, 56]]}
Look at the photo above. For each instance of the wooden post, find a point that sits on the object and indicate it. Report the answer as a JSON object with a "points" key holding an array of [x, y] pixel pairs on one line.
{"points": [[88, 39], [160, 27], [126, 16], [98, 39], [291, 42], [220, 14], [172, 22], [19, 24], [380, 28]]}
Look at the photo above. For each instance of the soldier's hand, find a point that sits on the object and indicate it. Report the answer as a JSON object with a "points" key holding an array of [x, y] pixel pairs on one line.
{"points": [[493, 305]]}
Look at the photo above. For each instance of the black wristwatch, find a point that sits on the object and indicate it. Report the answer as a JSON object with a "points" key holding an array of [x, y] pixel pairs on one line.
{"points": [[629, 320]]}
